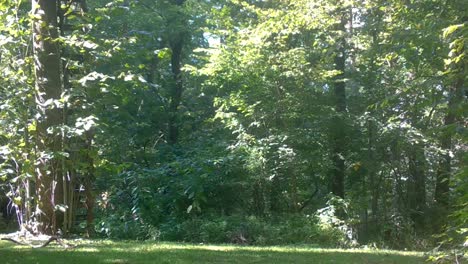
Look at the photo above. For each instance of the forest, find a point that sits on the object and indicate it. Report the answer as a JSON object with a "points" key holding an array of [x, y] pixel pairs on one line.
{"points": [[322, 123]]}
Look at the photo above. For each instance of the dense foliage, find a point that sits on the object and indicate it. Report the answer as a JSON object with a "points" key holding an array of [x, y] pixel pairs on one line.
{"points": [[325, 122]]}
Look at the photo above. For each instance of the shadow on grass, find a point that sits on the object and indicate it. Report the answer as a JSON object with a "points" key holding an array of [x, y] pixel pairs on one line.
{"points": [[134, 252]]}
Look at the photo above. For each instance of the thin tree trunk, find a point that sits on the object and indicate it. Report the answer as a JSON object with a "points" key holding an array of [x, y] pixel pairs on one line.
{"points": [[442, 190], [176, 93], [275, 194], [89, 206], [176, 43], [373, 79], [88, 185], [338, 126], [289, 171], [258, 197], [416, 187]]}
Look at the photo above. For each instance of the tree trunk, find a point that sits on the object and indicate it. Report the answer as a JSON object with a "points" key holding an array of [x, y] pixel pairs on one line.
{"points": [[275, 195], [176, 43], [47, 66], [416, 187], [176, 92], [258, 198], [88, 185], [442, 190], [338, 127]]}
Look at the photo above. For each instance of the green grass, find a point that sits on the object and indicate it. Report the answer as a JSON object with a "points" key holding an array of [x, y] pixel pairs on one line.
{"points": [[104, 251]]}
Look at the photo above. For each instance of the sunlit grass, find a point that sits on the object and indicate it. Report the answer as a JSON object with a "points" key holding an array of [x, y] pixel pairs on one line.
{"points": [[105, 251]]}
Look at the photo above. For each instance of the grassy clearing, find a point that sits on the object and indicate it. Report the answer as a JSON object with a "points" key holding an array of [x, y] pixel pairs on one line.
{"points": [[104, 251]]}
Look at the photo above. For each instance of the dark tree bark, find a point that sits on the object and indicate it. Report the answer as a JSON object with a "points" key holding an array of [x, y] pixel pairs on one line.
{"points": [[88, 185], [275, 195], [176, 92], [176, 43], [442, 190], [373, 79], [47, 66], [258, 197], [338, 127], [416, 187]]}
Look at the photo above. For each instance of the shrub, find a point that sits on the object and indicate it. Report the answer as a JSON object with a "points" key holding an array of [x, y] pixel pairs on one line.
{"points": [[253, 230]]}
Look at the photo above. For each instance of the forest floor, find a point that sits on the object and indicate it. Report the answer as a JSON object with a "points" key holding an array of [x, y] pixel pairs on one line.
{"points": [[105, 251]]}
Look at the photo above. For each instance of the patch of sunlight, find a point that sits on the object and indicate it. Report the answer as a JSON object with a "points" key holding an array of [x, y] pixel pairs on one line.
{"points": [[88, 249], [147, 246], [169, 246], [116, 261]]}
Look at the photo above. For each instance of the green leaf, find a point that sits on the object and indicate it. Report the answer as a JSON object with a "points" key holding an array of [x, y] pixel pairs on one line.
{"points": [[449, 30]]}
